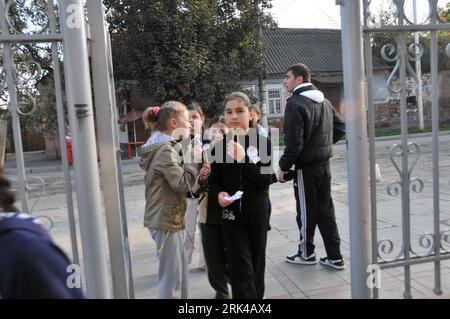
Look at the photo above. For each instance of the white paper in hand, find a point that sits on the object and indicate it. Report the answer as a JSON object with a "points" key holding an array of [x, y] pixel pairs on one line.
{"points": [[252, 153], [236, 196]]}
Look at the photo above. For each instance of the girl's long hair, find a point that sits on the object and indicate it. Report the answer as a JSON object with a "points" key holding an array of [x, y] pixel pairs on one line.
{"points": [[7, 197]]}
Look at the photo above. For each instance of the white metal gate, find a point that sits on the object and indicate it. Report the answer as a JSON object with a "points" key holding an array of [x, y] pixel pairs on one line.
{"points": [[70, 40], [409, 247]]}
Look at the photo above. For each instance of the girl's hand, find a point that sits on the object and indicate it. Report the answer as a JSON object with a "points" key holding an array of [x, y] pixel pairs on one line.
{"points": [[222, 201], [235, 151], [204, 173]]}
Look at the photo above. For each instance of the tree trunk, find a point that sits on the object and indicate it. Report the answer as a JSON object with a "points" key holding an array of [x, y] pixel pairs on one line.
{"points": [[3, 131], [52, 147]]}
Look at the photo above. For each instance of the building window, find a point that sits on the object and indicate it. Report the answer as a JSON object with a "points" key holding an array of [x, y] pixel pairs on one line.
{"points": [[274, 97]]}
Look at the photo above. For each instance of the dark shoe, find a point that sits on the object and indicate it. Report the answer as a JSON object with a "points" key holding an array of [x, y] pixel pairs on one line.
{"points": [[300, 260], [336, 264]]}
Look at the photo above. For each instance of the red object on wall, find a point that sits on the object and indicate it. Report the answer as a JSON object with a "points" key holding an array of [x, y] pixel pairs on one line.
{"points": [[69, 150]]}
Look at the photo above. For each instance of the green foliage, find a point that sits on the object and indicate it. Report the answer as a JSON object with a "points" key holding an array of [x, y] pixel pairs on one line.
{"points": [[186, 50]]}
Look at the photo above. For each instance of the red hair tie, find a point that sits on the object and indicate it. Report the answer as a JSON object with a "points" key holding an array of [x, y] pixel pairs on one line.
{"points": [[155, 111]]}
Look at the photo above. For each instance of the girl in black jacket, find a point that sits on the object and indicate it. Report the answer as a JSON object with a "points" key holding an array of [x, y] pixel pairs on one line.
{"points": [[242, 164]]}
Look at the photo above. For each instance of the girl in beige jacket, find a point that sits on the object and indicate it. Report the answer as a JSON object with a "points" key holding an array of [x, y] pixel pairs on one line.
{"points": [[170, 174]]}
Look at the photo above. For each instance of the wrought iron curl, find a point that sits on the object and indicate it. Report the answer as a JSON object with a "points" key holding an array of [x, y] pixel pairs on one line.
{"points": [[399, 8], [393, 89], [434, 10], [385, 248], [29, 185], [23, 104], [45, 221], [417, 185], [428, 18], [393, 188], [445, 240], [413, 56], [33, 183], [396, 150], [25, 74], [413, 148], [389, 56], [391, 53], [426, 241], [372, 18], [23, 71], [36, 3]]}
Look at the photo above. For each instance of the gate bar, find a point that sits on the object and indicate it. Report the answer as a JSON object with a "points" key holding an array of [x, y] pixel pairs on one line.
{"points": [[415, 261], [372, 158], [355, 120], [8, 63], [435, 156], [107, 128], [62, 136], [409, 28], [405, 174], [27, 38], [81, 117]]}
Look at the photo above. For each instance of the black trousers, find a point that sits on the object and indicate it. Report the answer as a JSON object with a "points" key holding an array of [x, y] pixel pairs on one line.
{"points": [[312, 188], [215, 258], [245, 241]]}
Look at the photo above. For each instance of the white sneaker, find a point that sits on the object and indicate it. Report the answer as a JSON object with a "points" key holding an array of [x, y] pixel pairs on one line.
{"points": [[336, 264], [300, 260]]}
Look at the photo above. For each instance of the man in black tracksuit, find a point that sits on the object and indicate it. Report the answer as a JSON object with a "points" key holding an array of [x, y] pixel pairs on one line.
{"points": [[311, 127]]}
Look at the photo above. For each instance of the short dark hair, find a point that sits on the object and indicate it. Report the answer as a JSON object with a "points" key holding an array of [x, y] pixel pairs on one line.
{"points": [[194, 106], [300, 70], [217, 119]]}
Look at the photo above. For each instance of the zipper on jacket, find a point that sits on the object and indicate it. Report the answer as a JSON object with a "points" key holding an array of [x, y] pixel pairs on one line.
{"points": [[240, 188]]}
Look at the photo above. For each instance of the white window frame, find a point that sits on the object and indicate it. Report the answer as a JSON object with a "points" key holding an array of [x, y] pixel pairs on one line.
{"points": [[280, 99]]}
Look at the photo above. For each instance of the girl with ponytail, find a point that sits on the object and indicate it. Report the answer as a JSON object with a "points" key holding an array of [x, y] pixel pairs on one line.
{"points": [[169, 176]]}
